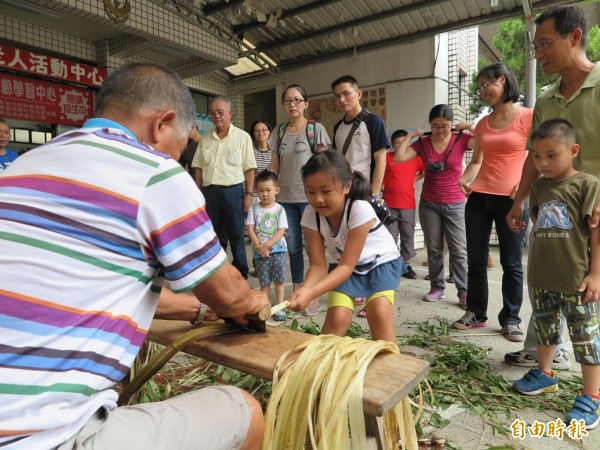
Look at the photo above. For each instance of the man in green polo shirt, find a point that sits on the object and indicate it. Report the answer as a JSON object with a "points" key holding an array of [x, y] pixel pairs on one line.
{"points": [[559, 46]]}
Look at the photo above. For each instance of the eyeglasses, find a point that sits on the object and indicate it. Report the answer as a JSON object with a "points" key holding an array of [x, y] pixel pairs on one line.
{"points": [[261, 130], [483, 87], [295, 101], [545, 44], [344, 94], [440, 127]]}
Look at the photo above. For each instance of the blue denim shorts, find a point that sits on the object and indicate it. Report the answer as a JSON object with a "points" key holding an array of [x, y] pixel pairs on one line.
{"points": [[384, 277]]}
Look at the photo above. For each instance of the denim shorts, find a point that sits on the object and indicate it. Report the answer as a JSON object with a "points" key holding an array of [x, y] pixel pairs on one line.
{"points": [[271, 269], [384, 277]]}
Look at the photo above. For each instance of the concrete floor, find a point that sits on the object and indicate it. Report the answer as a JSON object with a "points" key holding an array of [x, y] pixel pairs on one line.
{"points": [[468, 431]]}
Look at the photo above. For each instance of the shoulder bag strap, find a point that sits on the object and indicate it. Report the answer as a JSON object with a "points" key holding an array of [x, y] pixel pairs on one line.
{"points": [[458, 136], [355, 124]]}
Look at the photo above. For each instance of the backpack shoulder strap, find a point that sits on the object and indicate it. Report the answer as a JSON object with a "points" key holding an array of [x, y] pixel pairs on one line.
{"points": [[348, 212], [280, 133], [380, 222], [310, 134], [335, 128], [318, 222]]}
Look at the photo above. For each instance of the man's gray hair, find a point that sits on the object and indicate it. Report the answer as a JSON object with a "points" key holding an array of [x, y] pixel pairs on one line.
{"points": [[137, 87], [221, 98]]}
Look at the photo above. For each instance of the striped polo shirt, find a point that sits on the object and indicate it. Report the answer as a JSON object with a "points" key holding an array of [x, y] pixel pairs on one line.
{"points": [[90, 223]]}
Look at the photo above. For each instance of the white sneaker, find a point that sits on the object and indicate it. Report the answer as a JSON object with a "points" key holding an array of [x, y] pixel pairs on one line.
{"points": [[525, 359]]}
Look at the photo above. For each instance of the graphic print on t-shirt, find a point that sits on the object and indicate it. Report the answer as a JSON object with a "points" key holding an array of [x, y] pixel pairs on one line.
{"points": [[553, 214]]}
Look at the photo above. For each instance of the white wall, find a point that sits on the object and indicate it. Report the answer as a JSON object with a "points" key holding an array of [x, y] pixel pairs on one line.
{"points": [[407, 71]]}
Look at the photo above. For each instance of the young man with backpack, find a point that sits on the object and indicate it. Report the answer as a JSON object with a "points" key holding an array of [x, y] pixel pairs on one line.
{"points": [[361, 136]]}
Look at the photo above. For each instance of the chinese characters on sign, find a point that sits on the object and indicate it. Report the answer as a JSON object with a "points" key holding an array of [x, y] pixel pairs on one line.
{"points": [[35, 100], [49, 66], [557, 428]]}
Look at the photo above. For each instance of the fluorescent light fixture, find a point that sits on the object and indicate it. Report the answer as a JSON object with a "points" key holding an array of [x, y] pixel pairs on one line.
{"points": [[22, 135], [38, 137], [35, 8], [246, 65]]}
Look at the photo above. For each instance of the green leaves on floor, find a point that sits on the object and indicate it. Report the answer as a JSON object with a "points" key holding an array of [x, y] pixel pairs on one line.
{"points": [[461, 374]]}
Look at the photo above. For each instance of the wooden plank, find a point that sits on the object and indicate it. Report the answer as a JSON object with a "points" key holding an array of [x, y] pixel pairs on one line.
{"points": [[374, 427], [388, 380]]}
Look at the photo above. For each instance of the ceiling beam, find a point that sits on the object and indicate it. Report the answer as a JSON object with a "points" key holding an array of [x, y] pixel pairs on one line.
{"points": [[471, 22], [214, 8], [353, 23], [189, 12], [489, 49], [194, 66], [241, 29]]}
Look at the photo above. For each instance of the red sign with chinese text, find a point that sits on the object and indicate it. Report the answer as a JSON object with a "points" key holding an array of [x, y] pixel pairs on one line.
{"points": [[43, 101], [50, 66]]}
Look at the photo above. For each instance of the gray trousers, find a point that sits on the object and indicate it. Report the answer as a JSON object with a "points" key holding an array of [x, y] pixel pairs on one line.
{"points": [[531, 339], [216, 418], [439, 221]]}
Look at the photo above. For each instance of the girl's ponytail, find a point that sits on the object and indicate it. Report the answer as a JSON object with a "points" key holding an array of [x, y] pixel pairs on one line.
{"points": [[360, 189]]}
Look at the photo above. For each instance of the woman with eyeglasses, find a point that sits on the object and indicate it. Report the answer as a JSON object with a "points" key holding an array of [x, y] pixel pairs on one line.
{"points": [[292, 144], [490, 181], [260, 132], [442, 204]]}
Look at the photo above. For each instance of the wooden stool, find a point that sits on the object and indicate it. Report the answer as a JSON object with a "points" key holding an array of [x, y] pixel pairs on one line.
{"points": [[389, 378]]}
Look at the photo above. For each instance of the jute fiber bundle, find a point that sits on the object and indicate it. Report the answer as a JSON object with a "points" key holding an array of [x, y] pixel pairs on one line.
{"points": [[320, 397]]}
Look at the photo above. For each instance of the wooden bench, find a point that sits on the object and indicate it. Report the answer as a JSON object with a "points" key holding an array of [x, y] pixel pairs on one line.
{"points": [[388, 380]]}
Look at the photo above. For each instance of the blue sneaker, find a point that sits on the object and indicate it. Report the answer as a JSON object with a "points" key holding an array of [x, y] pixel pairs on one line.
{"points": [[536, 382], [585, 408], [280, 316]]}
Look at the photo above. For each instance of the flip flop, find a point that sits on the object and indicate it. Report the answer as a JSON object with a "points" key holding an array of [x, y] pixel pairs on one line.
{"points": [[362, 314]]}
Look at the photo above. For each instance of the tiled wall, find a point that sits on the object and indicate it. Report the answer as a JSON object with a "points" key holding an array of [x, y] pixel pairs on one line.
{"points": [[150, 20], [34, 36], [145, 18], [419, 239]]}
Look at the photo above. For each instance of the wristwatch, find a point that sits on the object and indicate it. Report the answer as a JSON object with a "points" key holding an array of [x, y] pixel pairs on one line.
{"points": [[201, 314]]}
